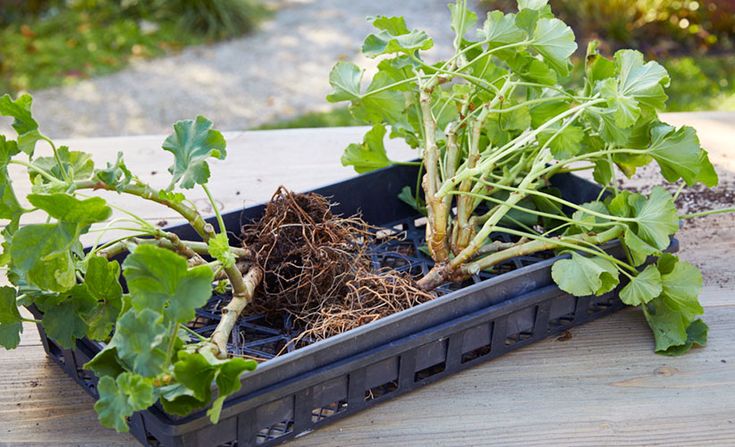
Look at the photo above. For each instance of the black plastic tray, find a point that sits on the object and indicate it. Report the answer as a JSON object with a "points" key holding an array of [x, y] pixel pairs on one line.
{"points": [[297, 392]]}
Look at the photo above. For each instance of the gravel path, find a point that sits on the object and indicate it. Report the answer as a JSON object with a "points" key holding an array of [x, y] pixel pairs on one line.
{"points": [[279, 72]]}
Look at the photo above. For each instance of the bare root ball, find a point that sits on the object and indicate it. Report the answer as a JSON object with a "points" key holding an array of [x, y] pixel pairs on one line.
{"points": [[317, 268]]}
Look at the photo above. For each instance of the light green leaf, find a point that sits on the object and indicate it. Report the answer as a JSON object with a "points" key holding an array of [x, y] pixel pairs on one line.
{"points": [[656, 217], [159, 279], [115, 174], [566, 143], [9, 206], [77, 165], [625, 108], [682, 284], [500, 29], [23, 122], [643, 288], [668, 326], [179, 400], [196, 373], [679, 155], [639, 249], [394, 37], [192, 143], [121, 397], [219, 248], [586, 221], [370, 155], [532, 4], [141, 342], [106, 363], [345, 79], [582, 276], [643, 82], [386, 105], [554, 40], [463, 19]]}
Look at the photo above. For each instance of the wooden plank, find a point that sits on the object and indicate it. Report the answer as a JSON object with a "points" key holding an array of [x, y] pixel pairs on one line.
{"points": [[602, 387]]}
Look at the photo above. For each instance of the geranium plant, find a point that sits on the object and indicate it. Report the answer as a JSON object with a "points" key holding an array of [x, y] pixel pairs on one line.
{"points": [[493, 124], [497, 119]]}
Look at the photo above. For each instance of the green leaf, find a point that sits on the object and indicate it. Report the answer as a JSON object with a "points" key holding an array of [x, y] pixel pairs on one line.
{"points": [[582, 276], [179, 400], [23, 122], [678, 153], [603, 172], [643, 288], [597, 67], [63, 315], [656, 217], [345, 79], [566, 143], [10, 319], [394, 37], [141, 342], [554, 41], [370, 155], [676, 309], [192, 143], [219, 248], [196, 373], [102, 280], [228, 382], [585, 221], [707, 174], [69, 209], [40, 254], [121, 397], [115, 174], [159, 279], [668, 326], [10, 208], [500, 29], [696, 336], [532, 4], [408, 197], [681, 286], [77, 165], [106, 363], [386, 105], [625, 108], [639, 249], [462, 18], [643, 82]]}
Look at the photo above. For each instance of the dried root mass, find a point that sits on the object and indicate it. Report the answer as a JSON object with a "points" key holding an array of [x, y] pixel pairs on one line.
{"points": [[317, 267]]}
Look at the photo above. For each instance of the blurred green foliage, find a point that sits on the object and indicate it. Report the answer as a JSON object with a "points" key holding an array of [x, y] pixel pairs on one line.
{"points": [[53, 42], [652, 26], [339, 117]]}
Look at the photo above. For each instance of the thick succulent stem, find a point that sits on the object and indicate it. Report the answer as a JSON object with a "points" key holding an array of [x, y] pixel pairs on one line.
{"points": [[242, 295]]}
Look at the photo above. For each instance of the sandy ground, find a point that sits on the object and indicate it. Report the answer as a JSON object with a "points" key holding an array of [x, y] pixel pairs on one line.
{"points": [[280, 71]]}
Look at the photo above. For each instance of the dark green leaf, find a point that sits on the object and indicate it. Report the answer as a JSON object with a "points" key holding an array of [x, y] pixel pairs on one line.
{"points": [[10, 319], [40, 254], [160, 279], [679, 155], [106, 363], [192, 143], [141, 342], [69, 209], [696, 336], [103, 283], [121, 397], [63, 315]]}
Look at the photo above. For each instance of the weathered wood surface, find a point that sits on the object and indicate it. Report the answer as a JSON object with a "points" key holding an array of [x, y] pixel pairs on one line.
{"points": [[602, 386]]}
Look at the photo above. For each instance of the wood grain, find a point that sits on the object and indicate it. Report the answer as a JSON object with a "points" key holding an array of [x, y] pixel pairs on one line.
{"points": [[604, 386]]}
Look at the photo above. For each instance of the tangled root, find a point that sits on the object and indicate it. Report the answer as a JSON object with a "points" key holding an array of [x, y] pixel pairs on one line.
{"points": [[317, 268]]}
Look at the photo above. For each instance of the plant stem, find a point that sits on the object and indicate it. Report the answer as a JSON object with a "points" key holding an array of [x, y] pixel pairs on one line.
{"points": [[242, 295], [708, 213], [220, 222]]}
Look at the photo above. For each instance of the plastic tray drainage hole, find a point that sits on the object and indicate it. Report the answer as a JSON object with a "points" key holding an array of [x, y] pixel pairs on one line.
{"points": [[430, 371], [275, 431], [476, 353], [152, 441], [381, 390], [515, 338], [321, 413]]}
